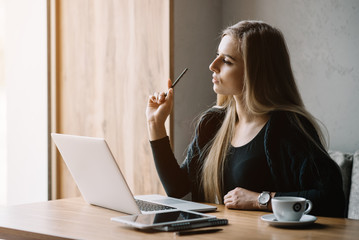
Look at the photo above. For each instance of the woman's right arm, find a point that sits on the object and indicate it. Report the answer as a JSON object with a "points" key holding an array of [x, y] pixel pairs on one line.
{"points": [[173, 178]]}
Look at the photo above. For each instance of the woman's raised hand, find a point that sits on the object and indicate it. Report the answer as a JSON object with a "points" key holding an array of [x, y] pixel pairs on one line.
{"points": [[159, 106]]}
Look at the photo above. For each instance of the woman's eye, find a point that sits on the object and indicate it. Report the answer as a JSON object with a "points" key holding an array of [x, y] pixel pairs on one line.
{"points": [[226, 62]]}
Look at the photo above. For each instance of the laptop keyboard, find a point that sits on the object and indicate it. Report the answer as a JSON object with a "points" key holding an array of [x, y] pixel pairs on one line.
{"points": [[149, 206]]}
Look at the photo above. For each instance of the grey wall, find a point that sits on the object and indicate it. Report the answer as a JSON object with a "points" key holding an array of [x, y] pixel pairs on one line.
{"points": [[196, 29], [322, 38]]}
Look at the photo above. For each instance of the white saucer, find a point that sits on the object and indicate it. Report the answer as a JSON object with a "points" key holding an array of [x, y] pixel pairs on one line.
{"points": [[305, 220]]}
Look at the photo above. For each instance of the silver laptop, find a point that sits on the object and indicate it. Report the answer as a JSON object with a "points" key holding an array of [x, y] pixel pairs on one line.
{"points": [[101, 182]]}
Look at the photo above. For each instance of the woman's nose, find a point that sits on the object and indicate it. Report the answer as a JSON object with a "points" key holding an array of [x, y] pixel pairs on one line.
{"points": [[213, 66]]}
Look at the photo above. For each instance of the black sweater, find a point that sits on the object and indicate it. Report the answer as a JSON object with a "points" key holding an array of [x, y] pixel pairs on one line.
{"points": [[297, 166]]}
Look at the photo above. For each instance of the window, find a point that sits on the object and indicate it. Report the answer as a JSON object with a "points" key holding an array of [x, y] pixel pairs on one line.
{"points": [[23, 101]]}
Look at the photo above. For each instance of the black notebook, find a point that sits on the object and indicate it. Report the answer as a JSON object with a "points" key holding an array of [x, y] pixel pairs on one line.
{"points": [[192, 225]]}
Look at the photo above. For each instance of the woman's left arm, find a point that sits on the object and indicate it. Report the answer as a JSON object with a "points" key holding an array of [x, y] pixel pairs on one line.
{"points": [[327, 201], [326, 192], [298, 169], [303, 168]]}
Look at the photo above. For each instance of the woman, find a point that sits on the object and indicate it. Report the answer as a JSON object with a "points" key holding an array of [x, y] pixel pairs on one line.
{"points": [[259, 141]]}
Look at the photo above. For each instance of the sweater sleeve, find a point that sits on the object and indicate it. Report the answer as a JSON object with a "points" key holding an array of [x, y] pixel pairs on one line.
{"points": [[303, 169], [326, 193], [178, 180], [173, 178]]}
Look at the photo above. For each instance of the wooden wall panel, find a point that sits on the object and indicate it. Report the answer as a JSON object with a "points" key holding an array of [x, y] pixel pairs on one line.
{"points": [[111, 54]]}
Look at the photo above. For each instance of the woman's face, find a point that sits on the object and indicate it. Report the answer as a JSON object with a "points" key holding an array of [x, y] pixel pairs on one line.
{"points": [[228, 68]]}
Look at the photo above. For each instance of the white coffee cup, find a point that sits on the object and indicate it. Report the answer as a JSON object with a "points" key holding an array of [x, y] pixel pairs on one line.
{"points": [[290, 208]]}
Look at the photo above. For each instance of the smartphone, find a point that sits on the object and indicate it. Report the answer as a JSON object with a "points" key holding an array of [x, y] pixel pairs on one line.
{"points": [[158, 219]]}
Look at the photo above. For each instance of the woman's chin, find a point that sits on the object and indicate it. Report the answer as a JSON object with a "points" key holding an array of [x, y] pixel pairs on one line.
{"points": [[215, 90]]}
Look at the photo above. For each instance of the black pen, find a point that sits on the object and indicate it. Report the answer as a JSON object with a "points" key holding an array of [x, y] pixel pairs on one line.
{"points": [[212, 230], [179, 77]]}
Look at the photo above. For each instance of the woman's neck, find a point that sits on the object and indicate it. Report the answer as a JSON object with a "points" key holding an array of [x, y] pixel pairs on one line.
{"points": [[244, 116], [247, 126]]}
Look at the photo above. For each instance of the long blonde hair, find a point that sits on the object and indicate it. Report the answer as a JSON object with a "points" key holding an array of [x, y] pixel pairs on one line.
{"points": [[269, 86]]}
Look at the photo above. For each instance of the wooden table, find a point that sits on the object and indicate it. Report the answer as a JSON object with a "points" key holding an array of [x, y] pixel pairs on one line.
{"points": [[75, 219]]}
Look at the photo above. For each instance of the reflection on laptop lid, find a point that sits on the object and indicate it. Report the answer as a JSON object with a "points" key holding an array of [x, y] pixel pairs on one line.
{"points": [[101, 182]]}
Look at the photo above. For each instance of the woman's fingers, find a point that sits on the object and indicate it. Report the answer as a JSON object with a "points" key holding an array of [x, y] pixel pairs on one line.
{"points": [[169, 83], [152, 99], [158, 97], [161, 97], [169, 93]]}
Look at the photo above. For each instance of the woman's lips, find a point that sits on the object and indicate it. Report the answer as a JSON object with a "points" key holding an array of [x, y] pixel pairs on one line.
{"points": [[214, 80]]}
